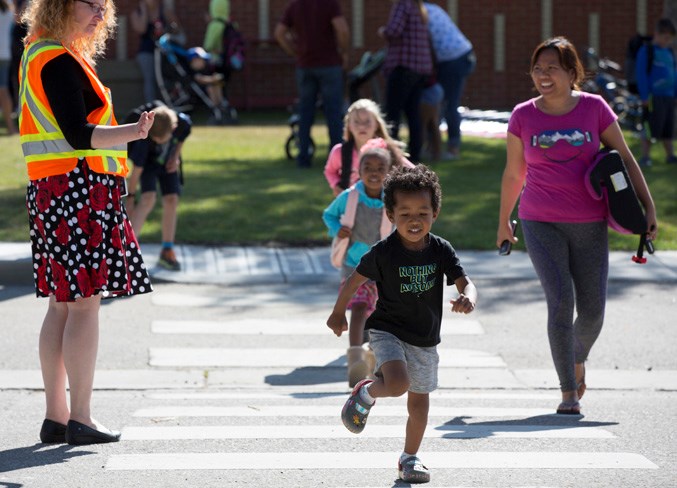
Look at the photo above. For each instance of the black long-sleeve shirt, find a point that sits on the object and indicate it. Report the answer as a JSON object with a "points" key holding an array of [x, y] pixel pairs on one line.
{"points": [[72, 98]]}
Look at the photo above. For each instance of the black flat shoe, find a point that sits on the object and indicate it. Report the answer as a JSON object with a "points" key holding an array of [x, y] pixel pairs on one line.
{"points": [[80, 435], [52, 432]]}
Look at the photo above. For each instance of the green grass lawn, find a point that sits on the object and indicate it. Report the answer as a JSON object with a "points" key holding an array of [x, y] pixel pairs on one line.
{"points": [[241, 189]]}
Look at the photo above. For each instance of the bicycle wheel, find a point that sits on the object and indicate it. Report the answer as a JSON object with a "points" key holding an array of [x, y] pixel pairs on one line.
{"points": [[291, 147]]}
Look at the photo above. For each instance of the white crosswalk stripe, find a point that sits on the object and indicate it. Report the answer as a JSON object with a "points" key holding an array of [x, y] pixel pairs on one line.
{"points": [[293, 427], [366, 460]]}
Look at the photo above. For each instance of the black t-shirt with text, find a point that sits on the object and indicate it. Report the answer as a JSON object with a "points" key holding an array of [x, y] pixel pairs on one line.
{"points": [[410, 287]]}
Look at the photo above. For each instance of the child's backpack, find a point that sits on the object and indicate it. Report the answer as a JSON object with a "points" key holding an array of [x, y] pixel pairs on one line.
{"points": [[233, 47], [339, 245], [346, 162], [608, 178], [634, 44]]}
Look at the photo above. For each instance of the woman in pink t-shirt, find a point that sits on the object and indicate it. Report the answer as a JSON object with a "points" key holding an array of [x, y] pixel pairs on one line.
{"points": [[552, 141]]}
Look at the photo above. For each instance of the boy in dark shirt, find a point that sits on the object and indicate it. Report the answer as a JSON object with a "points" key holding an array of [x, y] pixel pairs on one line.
{"points": [[158, 159], [409, 267]]}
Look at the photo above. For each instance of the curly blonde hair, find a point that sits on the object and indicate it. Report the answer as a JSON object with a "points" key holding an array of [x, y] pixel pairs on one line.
{"points": [[53, 19]]}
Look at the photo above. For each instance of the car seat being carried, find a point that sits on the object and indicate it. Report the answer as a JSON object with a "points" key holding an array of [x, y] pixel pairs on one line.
{"points": [[608, 178]]}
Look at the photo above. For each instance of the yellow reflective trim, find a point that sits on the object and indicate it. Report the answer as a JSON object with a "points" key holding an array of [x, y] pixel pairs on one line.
{"points": [[48, 157]]}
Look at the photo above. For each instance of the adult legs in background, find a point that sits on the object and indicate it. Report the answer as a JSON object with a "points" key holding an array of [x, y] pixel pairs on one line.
{"points": [[308, 88], [146, 62], [403, 93], [452, 75], [431, 99], [572, 263], [331, 88]]}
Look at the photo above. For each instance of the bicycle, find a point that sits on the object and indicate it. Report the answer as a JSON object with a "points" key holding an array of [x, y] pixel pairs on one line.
{"points": [[291, 146]]}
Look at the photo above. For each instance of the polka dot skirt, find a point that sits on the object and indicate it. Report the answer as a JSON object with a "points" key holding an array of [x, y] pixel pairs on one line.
{"points": [[82, 241]]}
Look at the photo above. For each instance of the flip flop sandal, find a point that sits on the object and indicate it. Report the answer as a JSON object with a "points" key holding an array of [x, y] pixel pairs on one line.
{"points": [[569, 408]]}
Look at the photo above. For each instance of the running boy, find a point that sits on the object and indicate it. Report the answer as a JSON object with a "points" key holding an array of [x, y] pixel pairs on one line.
{"points": [[158, 159], [366, 225], [409, 267]]}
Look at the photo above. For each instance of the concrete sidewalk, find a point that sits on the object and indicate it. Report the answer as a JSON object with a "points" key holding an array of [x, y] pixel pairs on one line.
{"points": [[236, 265]]}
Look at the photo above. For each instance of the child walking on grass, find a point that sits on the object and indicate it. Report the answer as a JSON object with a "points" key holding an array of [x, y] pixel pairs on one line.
{"points": [[369, 225], [363, 121], [409, 268]]}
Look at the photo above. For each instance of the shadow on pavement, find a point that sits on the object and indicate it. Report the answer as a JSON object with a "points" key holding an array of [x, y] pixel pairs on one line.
{"points": [[35, 456], [12, 292], [540, 422], [333, 372]]}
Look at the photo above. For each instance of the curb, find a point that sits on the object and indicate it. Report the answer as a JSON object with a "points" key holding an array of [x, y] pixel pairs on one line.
{"points": [[236, 265]]}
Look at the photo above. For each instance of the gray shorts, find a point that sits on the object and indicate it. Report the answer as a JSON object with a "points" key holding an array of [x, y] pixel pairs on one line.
{"points": [[422, 362]]}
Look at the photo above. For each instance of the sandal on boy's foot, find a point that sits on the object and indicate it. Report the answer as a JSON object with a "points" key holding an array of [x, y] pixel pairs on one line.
{"points": [[569, 408], [355, 411], [412, 470]]}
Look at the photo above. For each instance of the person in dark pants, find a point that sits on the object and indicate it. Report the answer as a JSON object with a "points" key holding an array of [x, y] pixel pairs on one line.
{"points": [[656, 73], [455, 61], [316, 33], [407, 66], [552, 140]]}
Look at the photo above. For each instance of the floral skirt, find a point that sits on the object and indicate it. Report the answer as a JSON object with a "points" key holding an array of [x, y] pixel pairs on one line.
{"points": [[81, 239], [367, 293]]}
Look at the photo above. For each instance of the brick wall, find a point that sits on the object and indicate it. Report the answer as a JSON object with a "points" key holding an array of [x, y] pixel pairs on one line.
{"points": [[268, 80]]}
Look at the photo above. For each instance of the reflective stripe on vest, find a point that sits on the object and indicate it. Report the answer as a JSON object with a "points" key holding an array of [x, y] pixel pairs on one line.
{"points": [[45, 148]]}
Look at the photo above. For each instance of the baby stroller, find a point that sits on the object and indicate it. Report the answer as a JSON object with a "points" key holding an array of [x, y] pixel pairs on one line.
{"points": [[369, 65], [176, 80]]}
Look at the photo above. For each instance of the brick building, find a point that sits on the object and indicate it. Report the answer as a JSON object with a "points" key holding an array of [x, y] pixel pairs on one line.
{"points": [[504, 33]]}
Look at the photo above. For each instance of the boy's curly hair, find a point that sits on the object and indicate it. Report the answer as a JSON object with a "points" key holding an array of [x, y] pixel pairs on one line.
{"points": [[410, 180]]}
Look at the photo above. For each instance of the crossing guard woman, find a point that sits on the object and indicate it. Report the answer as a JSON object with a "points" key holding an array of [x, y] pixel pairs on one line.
{"points": [[83, 246]]}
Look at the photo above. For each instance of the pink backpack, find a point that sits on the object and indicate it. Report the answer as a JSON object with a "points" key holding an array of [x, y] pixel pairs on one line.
{"points": [[339, 246]]}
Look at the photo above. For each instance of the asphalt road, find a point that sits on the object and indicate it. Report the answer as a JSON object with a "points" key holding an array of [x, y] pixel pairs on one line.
{"points": [[243, 385]]}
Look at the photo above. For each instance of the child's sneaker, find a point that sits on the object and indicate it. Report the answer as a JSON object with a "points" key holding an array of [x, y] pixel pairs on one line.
{"points": [[412, 470], [168, 260], [672, 159], [645, 162], [355, 411]]}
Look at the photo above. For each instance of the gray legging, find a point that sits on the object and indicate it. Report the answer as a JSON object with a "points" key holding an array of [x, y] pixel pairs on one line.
{"points": [[572, 262]]}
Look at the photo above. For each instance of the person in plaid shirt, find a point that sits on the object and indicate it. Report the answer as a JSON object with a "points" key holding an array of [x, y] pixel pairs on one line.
{"points": [[407, 65]]}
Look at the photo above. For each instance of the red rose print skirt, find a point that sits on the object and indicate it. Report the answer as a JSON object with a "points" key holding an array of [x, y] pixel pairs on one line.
{"points": [[81, 239]]}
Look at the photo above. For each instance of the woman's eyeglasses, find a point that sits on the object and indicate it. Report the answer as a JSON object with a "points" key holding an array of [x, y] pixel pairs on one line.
{"points": [[96, 8]]}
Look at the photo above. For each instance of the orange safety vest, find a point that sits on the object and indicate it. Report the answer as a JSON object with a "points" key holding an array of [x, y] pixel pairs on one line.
{"points": [[45, 148]]}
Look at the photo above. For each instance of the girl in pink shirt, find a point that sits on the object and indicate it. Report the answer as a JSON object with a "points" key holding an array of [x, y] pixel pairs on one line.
{"points": [[363, 121]]}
